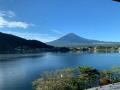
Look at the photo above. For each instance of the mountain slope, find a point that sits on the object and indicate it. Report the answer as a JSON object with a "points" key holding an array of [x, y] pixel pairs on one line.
{"points": [[11, 42], [72, 39]]}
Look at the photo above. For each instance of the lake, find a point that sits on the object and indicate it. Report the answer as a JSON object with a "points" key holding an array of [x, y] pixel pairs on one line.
{"points": [[18, 72]]}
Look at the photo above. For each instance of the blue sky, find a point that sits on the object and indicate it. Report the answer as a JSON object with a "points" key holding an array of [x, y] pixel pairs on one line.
{"points": [[47, 20]]}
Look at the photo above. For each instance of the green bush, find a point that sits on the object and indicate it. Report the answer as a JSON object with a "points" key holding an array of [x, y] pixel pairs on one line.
{"points": [[76, 79]]}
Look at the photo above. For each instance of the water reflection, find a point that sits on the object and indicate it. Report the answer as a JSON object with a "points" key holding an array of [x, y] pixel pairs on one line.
{"points": [[17, 73]]}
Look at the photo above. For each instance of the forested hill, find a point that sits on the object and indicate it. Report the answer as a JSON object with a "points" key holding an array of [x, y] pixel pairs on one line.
{"points": [[11, 42]]}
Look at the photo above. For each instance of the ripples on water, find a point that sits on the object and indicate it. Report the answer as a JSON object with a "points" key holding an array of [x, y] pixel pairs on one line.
{"points": [[18, 71]]}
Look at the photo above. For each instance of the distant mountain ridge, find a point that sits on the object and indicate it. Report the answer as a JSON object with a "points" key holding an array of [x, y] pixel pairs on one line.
{"points": [[72, 39]]}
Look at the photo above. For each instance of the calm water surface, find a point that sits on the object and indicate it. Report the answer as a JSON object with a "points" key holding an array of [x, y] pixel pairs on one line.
{"points": [[18, 73]]}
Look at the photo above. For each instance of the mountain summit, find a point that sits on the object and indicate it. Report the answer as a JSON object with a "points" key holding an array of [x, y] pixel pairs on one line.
{"points": [[72, 39]]}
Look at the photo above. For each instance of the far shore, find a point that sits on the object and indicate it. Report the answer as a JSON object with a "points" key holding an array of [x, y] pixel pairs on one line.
{"points": [[11, 56], [37, 54]]}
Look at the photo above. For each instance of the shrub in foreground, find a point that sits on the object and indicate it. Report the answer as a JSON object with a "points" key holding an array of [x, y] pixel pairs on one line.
{"points": [[76, 79]]}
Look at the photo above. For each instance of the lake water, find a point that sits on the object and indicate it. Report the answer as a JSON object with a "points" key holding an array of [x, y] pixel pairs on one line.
{"points": [[17, 73]]}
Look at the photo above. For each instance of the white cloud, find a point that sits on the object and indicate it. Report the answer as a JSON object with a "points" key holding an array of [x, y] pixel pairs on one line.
{"points": [[56, 31], [12, 24], [7, 13], [4, 23]]}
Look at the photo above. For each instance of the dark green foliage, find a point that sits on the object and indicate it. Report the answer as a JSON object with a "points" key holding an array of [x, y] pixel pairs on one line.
{"points": [[68, 79], [10, 42], [77, 79]]}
